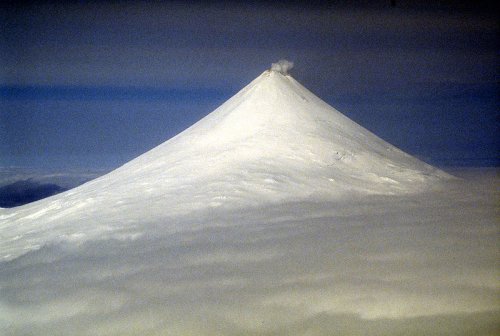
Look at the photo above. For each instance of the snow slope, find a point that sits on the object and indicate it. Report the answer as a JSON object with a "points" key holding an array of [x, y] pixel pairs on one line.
{"points": [[273, 141], [274, 215]]}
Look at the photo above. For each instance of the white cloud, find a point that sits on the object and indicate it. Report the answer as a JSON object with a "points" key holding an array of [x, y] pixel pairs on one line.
{"points": [[378, 265]]}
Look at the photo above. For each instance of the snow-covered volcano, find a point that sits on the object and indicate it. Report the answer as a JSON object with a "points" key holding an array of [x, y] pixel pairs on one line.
{"points": [[273, 141], [274, 215]]}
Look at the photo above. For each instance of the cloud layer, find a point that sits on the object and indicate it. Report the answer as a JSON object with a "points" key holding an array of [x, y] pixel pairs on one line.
{"points": [[416, 265]]}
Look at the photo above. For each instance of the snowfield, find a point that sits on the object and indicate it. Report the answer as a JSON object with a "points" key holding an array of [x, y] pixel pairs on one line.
{"points": [[274, 215]]}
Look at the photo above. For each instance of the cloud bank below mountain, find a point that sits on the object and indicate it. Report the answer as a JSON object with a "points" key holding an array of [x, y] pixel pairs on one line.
{"points": [[381, 265]]}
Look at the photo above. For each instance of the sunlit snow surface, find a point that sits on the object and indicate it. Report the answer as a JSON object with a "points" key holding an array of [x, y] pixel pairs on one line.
{"points": [[275, 215], [272, 142]]}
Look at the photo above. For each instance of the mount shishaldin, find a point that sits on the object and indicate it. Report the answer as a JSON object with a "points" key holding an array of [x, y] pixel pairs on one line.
{"points": [[274, 141]]}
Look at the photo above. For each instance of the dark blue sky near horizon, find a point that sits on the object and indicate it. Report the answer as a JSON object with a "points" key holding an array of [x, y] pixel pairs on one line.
{"points": [[92, 85]]}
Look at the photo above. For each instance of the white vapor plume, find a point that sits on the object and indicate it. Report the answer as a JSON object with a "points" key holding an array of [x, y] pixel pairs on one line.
{"points": [[282, 66]]}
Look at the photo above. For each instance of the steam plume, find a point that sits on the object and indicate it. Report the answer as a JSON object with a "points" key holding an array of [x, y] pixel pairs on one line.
{"points": [[282, 66]]}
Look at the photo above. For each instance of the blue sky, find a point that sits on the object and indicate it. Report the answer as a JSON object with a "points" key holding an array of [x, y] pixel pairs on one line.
{"points": [[92, 85]]}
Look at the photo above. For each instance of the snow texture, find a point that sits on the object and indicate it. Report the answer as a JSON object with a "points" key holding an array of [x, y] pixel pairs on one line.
{"points": [[273, 215]]}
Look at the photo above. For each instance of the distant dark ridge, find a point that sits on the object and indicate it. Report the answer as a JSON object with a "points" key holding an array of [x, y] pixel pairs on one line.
{"points": [[26, 191]]}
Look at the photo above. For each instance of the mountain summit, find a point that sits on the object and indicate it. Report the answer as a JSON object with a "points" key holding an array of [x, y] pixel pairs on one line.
{"points": [[274, 141]]}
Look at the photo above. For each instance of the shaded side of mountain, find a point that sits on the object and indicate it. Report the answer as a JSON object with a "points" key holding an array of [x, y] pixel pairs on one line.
{"points": [[26, 191]]}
